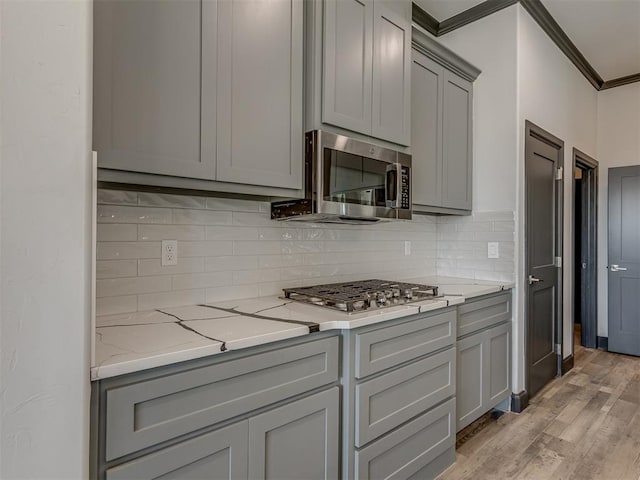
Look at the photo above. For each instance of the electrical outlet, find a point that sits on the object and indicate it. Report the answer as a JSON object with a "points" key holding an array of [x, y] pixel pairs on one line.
{"points": [[493, 250], [169, 252], [407, 248]]}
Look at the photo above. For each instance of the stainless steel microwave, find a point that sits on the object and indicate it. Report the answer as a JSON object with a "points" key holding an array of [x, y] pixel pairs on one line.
{"points": [[349, 181]]}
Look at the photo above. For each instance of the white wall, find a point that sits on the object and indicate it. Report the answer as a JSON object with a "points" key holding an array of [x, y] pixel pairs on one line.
{"points": [[490, 45], [554, 95], [45, 93], [618, 146]]}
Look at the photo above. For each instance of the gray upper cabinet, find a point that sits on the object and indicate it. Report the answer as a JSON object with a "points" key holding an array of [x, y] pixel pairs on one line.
{"points": [[391, 106], [260, 137], [347, 64], [361, 51], [441, 132], [200, 89], [456, 144], [427, 78], [148, 79]]}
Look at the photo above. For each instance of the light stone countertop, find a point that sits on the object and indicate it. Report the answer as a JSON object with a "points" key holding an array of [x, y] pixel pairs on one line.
{"points": [[127, 343]]}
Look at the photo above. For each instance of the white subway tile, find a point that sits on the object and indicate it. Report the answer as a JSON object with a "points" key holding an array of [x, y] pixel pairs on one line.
{"points": [[153, 266], [256, 248], [170, 232], [493, 216], [474, 227], [277, 233], [504, 226], [493, 236], [217, 294], [115, 305], [132, 286], [201, 280], [127, 250], [201, 217], [130, 214], [167, 200], [232, 205], [223, 232], [170, 299], [118, 197], [254, 219], [205, 249], [116, 268], [249, 277], [279, 261], [232, 263], [116, 232]]}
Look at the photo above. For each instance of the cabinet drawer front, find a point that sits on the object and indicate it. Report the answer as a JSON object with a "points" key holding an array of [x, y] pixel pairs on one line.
{"points": [[385, 402], [220, 454], [410, 448], [483, 313], [149, 412], [383, 348]]}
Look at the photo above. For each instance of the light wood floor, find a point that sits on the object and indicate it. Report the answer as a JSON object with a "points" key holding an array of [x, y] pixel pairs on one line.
{"points": [[585, 425]]}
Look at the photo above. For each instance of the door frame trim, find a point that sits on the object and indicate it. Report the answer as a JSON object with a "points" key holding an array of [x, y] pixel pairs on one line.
{"points": [[534, 131], [590, 279]]}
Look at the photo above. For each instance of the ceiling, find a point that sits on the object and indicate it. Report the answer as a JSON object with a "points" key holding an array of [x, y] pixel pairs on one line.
{"points": [[606, 32]]}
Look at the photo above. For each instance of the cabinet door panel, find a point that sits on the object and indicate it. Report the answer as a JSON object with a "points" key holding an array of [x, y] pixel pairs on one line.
{"points": [[347, 64], [147, 86], [456, 162], [499, 382], [218, 455], [391, 83], [260, 136], [470, 385], [297, 441], [427, 83]]}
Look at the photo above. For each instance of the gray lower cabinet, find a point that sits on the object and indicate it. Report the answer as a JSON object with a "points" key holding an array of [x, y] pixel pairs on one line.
{"points": [[399, 380], [484, 357], [192, 90], [267, 412], [298, 440], [441, 128], [218, 455]]}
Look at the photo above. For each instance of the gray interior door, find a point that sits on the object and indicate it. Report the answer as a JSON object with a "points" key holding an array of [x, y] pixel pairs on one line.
{"points": [[624, 260], [543, 154]]}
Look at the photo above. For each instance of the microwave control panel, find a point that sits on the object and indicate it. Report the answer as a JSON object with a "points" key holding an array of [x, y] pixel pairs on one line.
{"points": [[404, 188]]}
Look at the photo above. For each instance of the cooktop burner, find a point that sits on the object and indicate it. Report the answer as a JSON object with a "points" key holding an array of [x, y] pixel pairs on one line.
{"points": [[362, 295]]}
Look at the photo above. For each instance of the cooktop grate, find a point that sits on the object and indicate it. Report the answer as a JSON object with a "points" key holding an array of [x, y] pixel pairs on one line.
{"points": [[362, 295]]}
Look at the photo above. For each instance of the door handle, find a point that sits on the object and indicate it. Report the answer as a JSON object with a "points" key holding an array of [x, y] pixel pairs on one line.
{"points": [[617, 268], [533, 280]]}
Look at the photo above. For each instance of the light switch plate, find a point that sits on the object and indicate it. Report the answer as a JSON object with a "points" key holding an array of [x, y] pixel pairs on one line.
{"points": [[407, 248], [493, 250]]}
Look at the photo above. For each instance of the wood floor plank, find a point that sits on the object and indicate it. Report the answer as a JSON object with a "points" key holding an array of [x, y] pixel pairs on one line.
{"points": [[585, 425]]}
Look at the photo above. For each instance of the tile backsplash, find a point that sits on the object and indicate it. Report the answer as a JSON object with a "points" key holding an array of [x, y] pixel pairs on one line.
{"points": [[230, 248], [462, 246]]}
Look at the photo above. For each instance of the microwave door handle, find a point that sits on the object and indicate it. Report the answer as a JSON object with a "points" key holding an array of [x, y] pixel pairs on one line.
{"points": [[392, 185]]}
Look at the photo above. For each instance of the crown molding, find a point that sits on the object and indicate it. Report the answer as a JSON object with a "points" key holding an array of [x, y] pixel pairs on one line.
{"points": [[620, 81], [476, 12], [542, 17]]}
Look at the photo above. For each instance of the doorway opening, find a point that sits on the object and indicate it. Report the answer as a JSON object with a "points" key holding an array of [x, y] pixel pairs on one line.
{"points": [[585, 251]]}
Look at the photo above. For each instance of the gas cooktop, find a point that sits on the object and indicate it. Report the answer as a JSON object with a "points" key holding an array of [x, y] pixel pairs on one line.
{"points": [[362, 295]]}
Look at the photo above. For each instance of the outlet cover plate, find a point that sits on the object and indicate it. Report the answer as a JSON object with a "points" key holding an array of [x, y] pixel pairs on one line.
{"points": [[493, 250], [169, 252]]}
